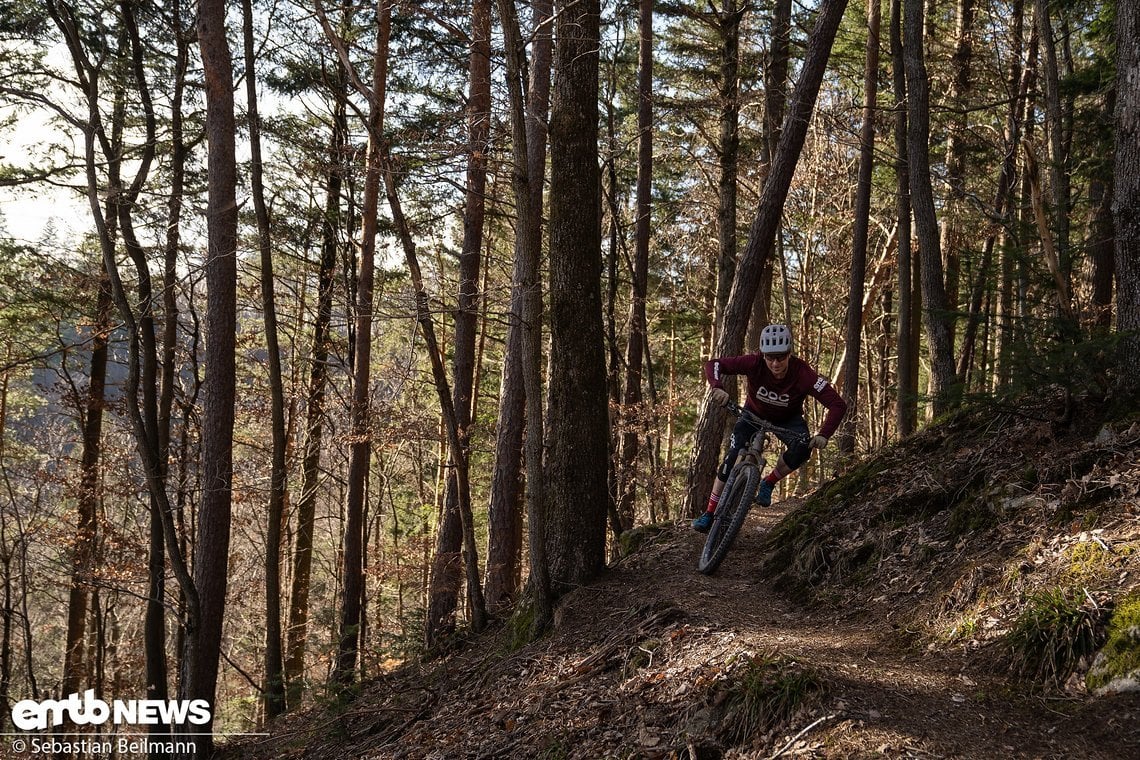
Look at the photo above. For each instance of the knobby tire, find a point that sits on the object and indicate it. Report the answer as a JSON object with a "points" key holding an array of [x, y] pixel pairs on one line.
{"points": [[729, 517]]}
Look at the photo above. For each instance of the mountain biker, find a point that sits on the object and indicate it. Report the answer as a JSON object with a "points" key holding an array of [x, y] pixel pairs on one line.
{"points": [[778, 383]]}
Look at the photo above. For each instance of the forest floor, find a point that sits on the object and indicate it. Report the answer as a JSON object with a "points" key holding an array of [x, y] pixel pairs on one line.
{"points": [[876, 618]]}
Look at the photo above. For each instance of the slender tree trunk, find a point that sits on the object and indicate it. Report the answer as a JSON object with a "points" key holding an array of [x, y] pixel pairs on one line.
{"points": [[456, 438], [211, 550], [361, 450], [75, 668], [960, 86], [528, 131], [634, 354], [854, 333], [775, 105], [273, 691], [938, 316], [906, 403], [1016, 85], [761, 236], [297, 631], [446, 568], [1058, 163], [728, 150]]}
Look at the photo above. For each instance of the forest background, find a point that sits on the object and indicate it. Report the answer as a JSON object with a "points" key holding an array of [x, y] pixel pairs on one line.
{"points": [[317, 268]]}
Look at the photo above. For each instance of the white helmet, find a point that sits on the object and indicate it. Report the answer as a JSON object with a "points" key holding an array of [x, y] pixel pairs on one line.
{"points": [[775, 339]]}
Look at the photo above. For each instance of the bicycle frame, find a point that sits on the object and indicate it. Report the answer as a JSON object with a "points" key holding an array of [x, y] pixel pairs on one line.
{"points": [[739, 489]]}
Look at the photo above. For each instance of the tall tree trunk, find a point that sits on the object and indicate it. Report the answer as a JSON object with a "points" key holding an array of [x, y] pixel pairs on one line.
{"points": [[445, 577], [906, 403], [1058, 165], [298, 627], [505, 533], [936, 307], [273, 690], [960, 86], [728, 150], [632, 415], [761, 236], [528, 139], [211, 550], [854, 333], [576, 467], [75, 668], [1126, 199], [361, 451]]}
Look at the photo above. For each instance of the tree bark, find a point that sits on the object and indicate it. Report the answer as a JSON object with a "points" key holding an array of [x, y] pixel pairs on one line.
{"points": [[1126, 199], [576, 467], [445, 577], [297, 630], [361, 450], [854, 332], [528, 132], [211, 550], [937, 314], [75, 667], [632, 414], [529, 155], [906, 403], [273, 689]]}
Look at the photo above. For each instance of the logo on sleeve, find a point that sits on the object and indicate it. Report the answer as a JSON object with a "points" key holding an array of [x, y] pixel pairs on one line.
{"points": [[820, 384]]}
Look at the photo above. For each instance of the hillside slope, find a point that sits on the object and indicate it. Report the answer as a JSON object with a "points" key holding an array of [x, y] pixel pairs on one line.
{"points": [[943, 599]]}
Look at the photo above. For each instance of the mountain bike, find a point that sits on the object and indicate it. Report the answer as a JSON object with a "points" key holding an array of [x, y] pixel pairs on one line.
{"points": [[740, 488]]}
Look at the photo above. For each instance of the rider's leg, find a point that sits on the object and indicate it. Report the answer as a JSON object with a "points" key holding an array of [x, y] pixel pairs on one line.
{"points": [[790, 461]]}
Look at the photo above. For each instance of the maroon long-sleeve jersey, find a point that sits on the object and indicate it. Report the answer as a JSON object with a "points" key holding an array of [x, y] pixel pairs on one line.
{"points": [[780, 400]]}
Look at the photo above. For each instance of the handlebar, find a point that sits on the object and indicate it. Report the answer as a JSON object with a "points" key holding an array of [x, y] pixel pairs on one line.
{"points": [[763, 424]]}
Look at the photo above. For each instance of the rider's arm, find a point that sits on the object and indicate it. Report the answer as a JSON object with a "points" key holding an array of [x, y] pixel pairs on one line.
{"points": [[717, 369], [822, 391]]}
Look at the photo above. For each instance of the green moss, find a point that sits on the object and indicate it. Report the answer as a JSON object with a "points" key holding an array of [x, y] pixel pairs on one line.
{"points": [[1120, 656], [520, 626], [631, 540], [1088, 562]]}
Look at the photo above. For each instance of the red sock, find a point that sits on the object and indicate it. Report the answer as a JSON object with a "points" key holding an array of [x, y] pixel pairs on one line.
{"points": [[773, 477], [714, 499]]}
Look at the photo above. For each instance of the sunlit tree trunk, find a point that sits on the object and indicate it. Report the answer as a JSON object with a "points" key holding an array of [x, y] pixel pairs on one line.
{"points": [[854, 332], [211, 549], [936, 307], [576, 466], [446, 567], [361, 450]]}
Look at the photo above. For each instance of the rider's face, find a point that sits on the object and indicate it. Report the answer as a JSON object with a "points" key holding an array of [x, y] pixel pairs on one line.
{"points": [[778, 364]]}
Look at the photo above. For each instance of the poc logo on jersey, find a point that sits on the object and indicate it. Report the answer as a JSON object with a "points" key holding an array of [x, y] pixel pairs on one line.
{"points": [[820, 383], [771, 397]]}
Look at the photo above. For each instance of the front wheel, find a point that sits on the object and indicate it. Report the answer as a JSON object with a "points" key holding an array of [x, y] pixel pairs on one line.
{"points": [[729, 517]]}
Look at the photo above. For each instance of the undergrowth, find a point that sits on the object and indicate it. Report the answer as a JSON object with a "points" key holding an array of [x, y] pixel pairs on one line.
{"points": [[764, 694], [1056, 629]]}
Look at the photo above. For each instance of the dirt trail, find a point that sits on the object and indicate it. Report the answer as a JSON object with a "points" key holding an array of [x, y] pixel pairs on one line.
{"points": [[632, 669], [886, 694]]}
